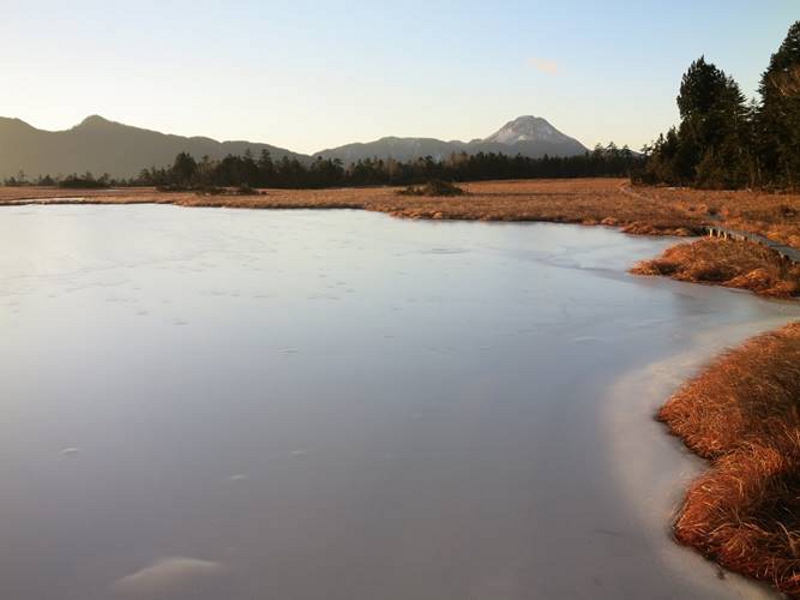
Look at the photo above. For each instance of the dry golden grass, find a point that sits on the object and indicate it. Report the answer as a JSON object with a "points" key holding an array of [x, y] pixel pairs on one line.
{"points": [[640, 210], [584, 201], [776, 216], [743, 414], [339, 198], [587, 201], [743, 265], [610, 202]]}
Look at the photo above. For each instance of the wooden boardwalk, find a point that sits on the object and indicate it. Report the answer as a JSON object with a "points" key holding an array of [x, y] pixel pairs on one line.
{"points": [[785, 252]]}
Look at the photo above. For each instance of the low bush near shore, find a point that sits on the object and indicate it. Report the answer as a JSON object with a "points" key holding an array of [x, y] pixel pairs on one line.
{"points": [[743, 414], [433, 188], [743, 265], [206, 190], [84, 182]]}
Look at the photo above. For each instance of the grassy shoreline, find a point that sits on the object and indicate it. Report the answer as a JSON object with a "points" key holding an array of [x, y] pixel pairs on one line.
{"points": [[733, 264], [742, 412], [593, 201], [582, 201], [600, 201]]}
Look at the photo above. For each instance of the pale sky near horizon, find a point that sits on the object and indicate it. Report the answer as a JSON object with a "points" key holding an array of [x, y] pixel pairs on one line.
{"points": [[308, 76]]}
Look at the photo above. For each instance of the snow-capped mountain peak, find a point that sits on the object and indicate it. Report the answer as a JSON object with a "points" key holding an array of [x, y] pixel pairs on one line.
{"points": [[527, 129]]}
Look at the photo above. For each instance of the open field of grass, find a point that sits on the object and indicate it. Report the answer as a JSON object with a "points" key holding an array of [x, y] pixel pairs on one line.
{"points": [[611, 202], [776, 216], [587, 201], [743, 414]]}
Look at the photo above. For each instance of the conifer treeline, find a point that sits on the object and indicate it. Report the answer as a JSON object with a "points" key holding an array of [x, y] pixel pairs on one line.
{"points": [[246, 171], [608, 161], [723, 141]]}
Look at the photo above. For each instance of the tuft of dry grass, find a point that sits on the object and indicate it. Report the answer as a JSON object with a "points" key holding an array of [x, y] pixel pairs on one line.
{"points": [[743, 265], [743, 414]]}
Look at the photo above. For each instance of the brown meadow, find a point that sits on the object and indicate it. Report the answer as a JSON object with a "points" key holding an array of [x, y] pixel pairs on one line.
{"points": [[608, 202], [612, 202]]}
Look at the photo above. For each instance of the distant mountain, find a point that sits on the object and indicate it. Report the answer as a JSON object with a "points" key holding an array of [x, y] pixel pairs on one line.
{"points": [[527, 135], [529, 129], [102, 146], [401, 149]]}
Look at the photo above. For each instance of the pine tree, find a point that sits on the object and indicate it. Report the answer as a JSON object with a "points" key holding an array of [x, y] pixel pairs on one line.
{"points": [[778, 122], [184, 169], [266, 169], [710, 148]]}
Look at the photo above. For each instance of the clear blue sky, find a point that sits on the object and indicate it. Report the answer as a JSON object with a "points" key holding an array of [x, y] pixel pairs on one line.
{"points": [[307, 75]]}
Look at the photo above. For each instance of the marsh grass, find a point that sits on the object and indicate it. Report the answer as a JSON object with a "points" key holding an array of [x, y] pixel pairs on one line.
{"points": [[774, 215], [598, 201], [735, 264], [583, 201], [210, 190], [607, 202], [743, 414]]}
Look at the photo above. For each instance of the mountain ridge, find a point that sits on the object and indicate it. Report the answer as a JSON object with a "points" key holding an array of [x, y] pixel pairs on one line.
{"points": [[101, 145], [529, 135]]}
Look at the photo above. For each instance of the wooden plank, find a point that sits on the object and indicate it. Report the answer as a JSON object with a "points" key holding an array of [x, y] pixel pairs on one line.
{"points": [[786, 252]]}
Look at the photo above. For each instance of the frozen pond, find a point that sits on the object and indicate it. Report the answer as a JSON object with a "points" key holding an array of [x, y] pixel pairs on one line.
{"points": [[337, 405]]}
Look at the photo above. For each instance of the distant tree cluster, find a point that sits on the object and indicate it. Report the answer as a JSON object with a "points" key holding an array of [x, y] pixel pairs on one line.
{"points": [[85, 181], [725, 142], [74, 181], [246, 171]]}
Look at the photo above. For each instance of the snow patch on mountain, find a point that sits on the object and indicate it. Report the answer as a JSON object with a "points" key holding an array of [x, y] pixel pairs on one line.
{"points": [[527, 129]]}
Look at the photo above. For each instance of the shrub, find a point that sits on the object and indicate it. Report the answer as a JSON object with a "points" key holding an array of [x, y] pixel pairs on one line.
{"points": [[84, 182], [435, 187]]}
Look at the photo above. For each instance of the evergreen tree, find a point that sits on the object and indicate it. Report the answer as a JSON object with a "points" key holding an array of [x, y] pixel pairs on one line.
{"points": [[778, 122], [712, 145], [266, 169], [184, 169]]}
